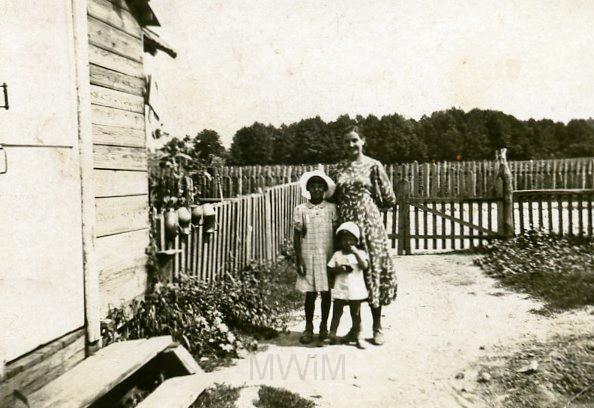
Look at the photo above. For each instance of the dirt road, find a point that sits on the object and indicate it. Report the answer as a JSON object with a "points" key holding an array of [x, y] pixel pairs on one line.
{"points": [[448, 317]]}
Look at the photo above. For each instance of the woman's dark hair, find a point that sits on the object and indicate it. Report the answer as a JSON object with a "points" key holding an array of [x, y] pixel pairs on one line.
{"points": [[356, 129], [316, 179]]}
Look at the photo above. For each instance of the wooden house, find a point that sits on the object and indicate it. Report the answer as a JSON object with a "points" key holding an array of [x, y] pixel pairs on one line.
{"points": [[74, 220]]}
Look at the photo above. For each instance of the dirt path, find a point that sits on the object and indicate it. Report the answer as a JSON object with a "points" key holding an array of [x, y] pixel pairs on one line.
{"points": [[448, 317]]}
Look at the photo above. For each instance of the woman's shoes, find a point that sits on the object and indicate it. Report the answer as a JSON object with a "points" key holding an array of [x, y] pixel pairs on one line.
{"points": [[378, 337], [349, 337], [306, 337], [361, 344]]}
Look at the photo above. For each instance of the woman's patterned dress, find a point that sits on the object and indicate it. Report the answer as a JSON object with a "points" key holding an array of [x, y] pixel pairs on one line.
{"points": [[360, 187]]}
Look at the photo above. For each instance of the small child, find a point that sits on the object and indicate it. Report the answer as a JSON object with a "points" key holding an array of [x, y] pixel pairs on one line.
{"points": [[314, 224], [347, 265]]}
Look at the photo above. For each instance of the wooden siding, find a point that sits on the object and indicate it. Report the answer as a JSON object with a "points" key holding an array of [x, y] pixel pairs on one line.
{"points": [[119, 151], [32, 371]]}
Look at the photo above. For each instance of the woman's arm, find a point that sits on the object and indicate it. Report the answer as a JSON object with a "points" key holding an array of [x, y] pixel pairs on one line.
{"points": [[382, 184]]}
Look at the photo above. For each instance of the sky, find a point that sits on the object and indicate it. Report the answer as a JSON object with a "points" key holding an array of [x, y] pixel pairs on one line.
{"points": [[279, 61]]}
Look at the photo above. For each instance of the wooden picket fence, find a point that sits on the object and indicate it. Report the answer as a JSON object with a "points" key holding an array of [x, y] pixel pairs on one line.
{"points": [[452, 213], [249, 228], [426, 179]]}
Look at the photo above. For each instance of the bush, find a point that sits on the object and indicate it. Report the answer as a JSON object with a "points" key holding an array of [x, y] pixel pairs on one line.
{"points": [[558, 270], [271, 397], [214, 319]]}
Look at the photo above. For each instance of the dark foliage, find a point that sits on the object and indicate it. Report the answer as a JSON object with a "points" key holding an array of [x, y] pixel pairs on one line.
{"points": [[558, 270], [213, 320], [443, 136], [271, 397]]}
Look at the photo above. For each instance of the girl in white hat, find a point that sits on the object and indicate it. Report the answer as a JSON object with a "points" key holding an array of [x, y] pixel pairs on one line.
{"points": [[314, 223], [347, 266]]}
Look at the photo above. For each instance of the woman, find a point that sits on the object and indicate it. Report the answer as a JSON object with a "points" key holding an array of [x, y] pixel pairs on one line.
{"points": [[361, 186]]}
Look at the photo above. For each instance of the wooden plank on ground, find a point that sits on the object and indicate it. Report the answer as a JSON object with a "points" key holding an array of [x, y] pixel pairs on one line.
{"points": [[107, 37], [118, 136], [96, 375], [111, 183], [120, 158], [116, 215], [177, 392], [116, 99], [102, 115], [115, 15]]}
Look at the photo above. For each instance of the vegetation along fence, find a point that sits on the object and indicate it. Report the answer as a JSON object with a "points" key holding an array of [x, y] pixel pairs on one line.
{"points": [[426, 179], [239, 230]]}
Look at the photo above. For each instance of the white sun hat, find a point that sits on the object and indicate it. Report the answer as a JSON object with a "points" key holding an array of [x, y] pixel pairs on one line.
{"points": [[316, 173], [351, 227]]}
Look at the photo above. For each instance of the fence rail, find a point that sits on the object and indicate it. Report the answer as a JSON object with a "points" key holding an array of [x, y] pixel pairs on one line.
{"points": [[247, 228], [471, 178]]}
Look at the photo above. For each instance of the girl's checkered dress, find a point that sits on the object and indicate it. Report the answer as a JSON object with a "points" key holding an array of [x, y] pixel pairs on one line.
{"points": [[316, 224]]}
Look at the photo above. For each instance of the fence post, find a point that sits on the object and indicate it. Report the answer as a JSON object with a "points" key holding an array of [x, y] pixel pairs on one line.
{"points": [[403, 217], [268, 215], [505, 213]]}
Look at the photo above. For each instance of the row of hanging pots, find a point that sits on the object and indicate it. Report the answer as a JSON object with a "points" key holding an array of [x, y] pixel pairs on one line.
{"points": [[179, 220]]}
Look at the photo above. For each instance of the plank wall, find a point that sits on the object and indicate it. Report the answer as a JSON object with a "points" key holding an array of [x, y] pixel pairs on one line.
{"points": [[119, 149]]}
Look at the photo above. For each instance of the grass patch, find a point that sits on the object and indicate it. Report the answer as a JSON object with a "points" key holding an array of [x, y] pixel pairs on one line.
{"points": [[219, 396], [564, 375], [271, 397], [557, 270]]}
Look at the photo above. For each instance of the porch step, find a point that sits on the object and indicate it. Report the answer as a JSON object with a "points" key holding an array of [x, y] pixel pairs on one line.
{"points": [[97, 375], [177, 392]]}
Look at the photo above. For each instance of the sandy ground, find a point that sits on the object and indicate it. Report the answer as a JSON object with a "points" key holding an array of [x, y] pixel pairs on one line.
{"points": [[448, 317]]}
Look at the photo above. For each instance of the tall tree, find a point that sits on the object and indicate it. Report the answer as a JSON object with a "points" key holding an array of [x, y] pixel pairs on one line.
{"points": [[253, 145], [208, 144]]}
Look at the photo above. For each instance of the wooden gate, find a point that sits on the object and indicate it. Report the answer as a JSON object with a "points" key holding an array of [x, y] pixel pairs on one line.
{"points": [[451, 216], [442, 223]]}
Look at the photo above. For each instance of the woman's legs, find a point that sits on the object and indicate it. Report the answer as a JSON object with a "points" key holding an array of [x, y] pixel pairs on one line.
{"points": [[376, 313]]}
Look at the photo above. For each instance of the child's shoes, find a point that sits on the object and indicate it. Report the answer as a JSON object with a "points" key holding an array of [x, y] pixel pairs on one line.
{"points": [[331, 339]]}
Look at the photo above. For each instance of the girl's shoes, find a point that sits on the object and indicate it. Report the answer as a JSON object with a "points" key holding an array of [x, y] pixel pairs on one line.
{"points": [[331, 339], [378, 337], [323, 334], [307, 337]]}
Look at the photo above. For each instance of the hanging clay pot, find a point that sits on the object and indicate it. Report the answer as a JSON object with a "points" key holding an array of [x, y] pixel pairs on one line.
{"points": [[209, 218], [197, 213], [170, 223], [183, 219]]}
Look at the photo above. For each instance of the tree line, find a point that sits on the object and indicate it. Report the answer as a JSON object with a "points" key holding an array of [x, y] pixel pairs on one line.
{"points": [[443, 136]]}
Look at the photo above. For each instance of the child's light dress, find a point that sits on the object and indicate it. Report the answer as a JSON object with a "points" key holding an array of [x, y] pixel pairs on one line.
{"points": [[351, 285], [316, 224]]}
